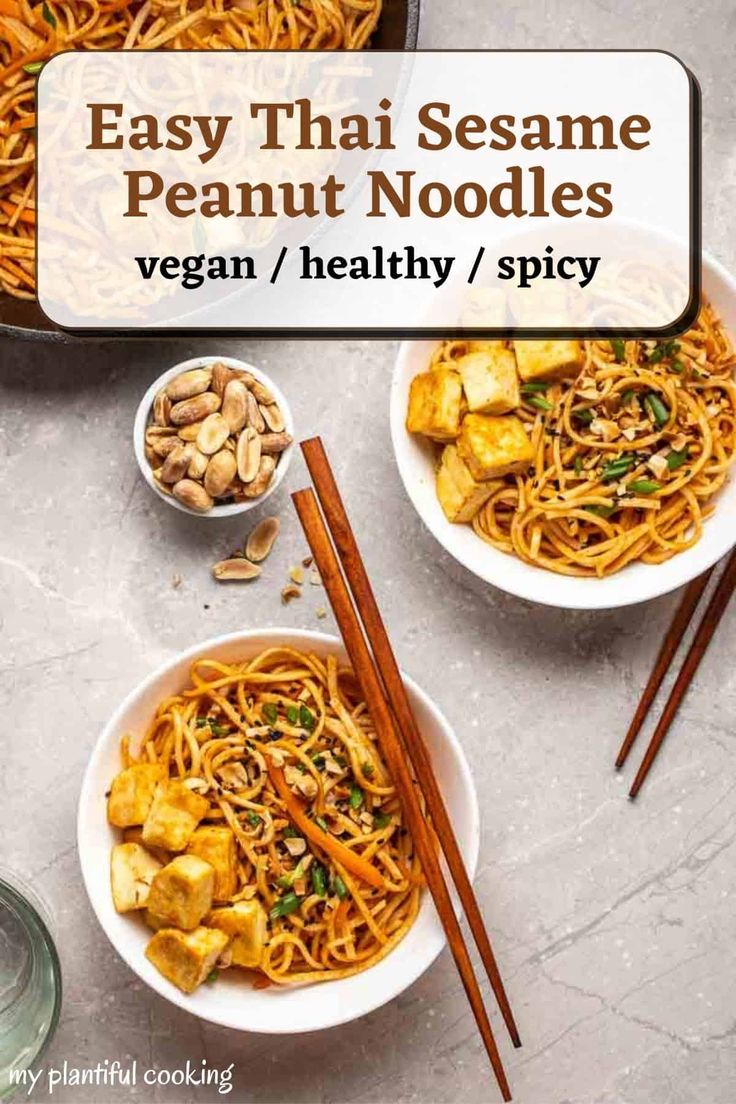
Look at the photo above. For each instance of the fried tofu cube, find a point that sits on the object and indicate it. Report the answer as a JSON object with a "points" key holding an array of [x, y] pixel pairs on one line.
{"points": [[132, 792], [460, 496], [154, 922], [216, 845], [434, 404], [132, 869], [186, 958], [135, 835], [492, 446], [245, 924], [548, 360], [490, 381], [181, 892], [175, 813]]}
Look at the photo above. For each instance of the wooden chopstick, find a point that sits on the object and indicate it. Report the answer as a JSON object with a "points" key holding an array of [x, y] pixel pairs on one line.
{"points": [[671, 643], [703, 636], [362, 662], [364, 598]]}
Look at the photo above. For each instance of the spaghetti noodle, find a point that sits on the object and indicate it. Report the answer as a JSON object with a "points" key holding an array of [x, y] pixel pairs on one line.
{"points": [[627, 457], [283, 749], [30, 33]]}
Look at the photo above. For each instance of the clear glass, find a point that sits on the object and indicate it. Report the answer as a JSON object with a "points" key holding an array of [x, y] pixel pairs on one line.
{"points": [[30, 979]]}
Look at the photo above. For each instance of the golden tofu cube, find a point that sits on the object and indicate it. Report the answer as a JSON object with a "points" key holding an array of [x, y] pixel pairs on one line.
{"points": [[245, 924], [132, 792], [135, 835], [132, 870], [181, 892], [460, 496], [484, 346], [492, 446], [154, 922], [490, 382], [548, 360], [175, 813], [216, 845], [186, 958], [434, 404]]}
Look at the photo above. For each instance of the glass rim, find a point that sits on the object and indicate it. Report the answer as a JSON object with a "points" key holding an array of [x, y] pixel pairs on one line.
{"points": [[15, 892]]}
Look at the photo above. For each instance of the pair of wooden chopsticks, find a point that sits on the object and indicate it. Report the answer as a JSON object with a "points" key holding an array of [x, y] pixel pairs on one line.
{"points": [[351, 597], [703, 636]]}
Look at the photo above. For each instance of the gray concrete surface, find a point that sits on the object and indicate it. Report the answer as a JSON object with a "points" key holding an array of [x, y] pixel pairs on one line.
{"points": [[614, 924]]}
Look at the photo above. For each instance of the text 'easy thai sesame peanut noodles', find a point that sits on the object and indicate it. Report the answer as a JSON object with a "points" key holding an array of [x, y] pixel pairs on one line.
{"points": [[260, 827], [31, 33], [582, 457]]}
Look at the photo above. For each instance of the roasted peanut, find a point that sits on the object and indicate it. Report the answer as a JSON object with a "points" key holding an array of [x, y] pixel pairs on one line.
{"points": [[195, 409]]}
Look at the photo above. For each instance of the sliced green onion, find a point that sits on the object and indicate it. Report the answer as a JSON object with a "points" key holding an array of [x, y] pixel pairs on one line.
{"points": [[601, 511], [677, 366], [356, 797], [33, 67], [321, 823], [254, 819], [578, 464], [213, 975], [627, 397], [617, 468], [285, 906], [619, 348], [657, 409], [662, 350], [48, 15], [319, 880], [286, 881], [583, 414], [368, 770], [270, 712], [533, 387], [339, 887], [291, 833], [676, 459], [306, 717], [539, 402], [644, 486], [292, 714], [381, 820]]}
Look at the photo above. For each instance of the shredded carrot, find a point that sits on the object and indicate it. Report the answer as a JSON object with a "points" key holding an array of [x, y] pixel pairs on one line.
{"points": [[26, 215], [357, 865], [28, 122]]}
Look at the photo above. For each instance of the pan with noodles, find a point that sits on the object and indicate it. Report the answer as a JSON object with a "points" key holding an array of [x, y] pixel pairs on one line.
{"points": [[576, 473], [31, 32], [249, 841]]}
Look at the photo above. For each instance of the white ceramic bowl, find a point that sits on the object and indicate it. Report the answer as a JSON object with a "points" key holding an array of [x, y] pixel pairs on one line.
{"points": [[144, 414], [635, 583], [233, 1002]]}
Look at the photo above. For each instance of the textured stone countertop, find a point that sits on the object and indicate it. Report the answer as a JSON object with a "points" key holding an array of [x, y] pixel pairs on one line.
{"points": [[614, 924]]}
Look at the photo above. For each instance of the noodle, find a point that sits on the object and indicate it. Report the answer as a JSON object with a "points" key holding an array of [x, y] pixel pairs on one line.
{"points": [[283, 750], [32, 33], [628, 456]]}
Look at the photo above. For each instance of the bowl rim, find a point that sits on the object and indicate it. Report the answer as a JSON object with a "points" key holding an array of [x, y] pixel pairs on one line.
{"points": [[337, 1013], [141, 422], [537, 584]]}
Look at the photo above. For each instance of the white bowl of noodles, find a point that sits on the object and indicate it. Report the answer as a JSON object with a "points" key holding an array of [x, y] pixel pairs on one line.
{"points": [[636, 582], [233, 1001]]}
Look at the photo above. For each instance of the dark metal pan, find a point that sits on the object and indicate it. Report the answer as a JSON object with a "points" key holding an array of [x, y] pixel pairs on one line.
{"points": [[397, 30]]}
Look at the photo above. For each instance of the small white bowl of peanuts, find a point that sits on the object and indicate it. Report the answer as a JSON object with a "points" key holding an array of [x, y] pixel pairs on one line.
{"points": [[213, 436]]}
